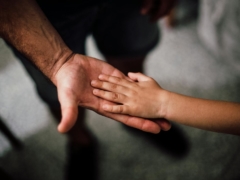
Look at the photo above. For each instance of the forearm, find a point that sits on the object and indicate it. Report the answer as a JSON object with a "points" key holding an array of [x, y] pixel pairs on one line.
{"points": [[210, 115], [25, 26]]}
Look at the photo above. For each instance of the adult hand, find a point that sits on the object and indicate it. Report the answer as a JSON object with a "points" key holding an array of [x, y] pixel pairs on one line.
{"points": [[157, 8], [73, 81]]}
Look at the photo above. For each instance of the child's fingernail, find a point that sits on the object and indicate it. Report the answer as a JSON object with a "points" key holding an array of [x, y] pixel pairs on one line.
{"points": [[95, 91], [101, 76], [93, 82], [105, 107]]}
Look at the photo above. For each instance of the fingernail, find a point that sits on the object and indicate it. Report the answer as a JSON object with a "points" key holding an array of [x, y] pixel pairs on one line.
{"points": [[105, 107], [95, 91], [101, 76], [93, 82]]}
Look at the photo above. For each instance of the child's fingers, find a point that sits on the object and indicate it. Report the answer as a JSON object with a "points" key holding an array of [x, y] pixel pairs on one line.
{"points": [[119, 109], [135, 122], [109, 86], [115, 80], [110, 96], [138, 77]]}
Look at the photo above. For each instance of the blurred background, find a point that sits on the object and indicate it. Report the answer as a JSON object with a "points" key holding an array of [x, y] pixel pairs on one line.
{"points": [[198, 55]]}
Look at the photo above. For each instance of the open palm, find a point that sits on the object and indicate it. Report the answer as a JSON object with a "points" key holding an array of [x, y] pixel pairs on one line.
{"points": [[74, 89]]}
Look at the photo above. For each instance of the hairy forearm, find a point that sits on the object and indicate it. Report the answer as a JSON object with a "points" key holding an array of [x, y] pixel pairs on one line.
{"points": [[210, 115], [25, 26]]}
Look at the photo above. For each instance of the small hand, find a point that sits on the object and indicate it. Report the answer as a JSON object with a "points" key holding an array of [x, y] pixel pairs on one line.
{"points": [[157, 8], [74, 89], [143, 98]]}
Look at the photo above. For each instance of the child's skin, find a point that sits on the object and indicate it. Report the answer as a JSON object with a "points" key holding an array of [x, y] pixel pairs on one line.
{"points": [[143, 97]]}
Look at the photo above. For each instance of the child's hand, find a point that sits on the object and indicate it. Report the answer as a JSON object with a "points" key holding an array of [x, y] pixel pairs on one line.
{"points": [[142, 98]]}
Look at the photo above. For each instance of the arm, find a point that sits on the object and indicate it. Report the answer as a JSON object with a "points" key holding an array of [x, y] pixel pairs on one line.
{"points": [[25, 26], [218, 116], [145, 98]]}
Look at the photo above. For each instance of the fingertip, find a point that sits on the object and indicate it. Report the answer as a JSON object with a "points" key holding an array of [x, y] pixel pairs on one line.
{"points": [[93, 82], [158, 130], [69, 117], [138, 76], [95, 91], [169, 127], [65, 125], [150, 126], [155, 130], [164, 124], [61, 129], [131, 75], [101, 76]]}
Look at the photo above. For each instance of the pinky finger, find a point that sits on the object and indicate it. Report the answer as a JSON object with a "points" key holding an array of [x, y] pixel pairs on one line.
{"points": [[119, 109]]}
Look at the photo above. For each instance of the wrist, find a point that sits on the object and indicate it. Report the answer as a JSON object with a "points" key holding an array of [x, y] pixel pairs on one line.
{"points": [[59, 60], [163, 100]]}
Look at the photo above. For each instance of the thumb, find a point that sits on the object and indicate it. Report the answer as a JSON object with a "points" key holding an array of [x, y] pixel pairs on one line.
{"points": [[138, 77], [69, 108]]}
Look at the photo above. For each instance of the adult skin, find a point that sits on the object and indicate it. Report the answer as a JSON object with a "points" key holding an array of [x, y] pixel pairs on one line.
{"points": [[25, 26], [157, 8]]}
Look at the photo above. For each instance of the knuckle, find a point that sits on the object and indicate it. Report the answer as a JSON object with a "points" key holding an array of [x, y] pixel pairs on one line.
{"points": [[114, 96], [103, 85], [113, 86], [102, 93], [110, 109], [99, 83], [134, 85], [133, 93], [122, 89], [120, 109], [117, 80], [107, 77]]}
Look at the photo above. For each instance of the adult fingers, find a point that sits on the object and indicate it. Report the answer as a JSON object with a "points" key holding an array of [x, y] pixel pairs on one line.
{"points": [[162, 8], [146, 6], [69, 108], [136, 122], [159, 11], [164, 124], [166, 8]]}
